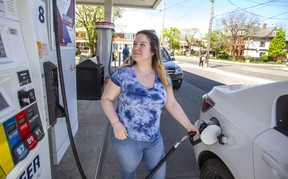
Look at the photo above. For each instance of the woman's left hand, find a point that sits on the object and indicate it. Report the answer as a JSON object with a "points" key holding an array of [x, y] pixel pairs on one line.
{"points": [[194, 129]]}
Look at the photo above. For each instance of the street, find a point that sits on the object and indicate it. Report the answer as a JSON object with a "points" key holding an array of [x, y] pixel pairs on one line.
{"points": [[232, 72]]}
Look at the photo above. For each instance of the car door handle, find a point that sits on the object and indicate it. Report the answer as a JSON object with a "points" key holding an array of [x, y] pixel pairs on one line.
{"points": [[274, 165]]}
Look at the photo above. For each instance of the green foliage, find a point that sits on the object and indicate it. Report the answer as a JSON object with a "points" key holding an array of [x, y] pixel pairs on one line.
{"points": [[248, 57], [217, 41], [87, 16], [270, 59], [277, 45], [189, 36], [223, 55], [78, 52], [264, 58], [172, 37]]}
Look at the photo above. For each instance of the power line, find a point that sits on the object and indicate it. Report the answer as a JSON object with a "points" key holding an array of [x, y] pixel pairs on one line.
{"points": [[277, 16], [173, 6], [260, 4], [187, 13], [273, 17], [283, 1]]}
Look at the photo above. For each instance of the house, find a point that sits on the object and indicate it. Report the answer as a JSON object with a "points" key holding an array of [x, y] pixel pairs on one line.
{"points": [[120, 39], [258, 43]]}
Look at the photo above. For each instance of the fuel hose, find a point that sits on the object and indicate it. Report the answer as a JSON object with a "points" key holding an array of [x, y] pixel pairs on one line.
{"points": [[62, 84]]}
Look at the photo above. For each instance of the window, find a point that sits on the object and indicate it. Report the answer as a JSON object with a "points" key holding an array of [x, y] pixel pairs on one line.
{"points": [[128, 36], [282, 114], [165, 55], [262, 44]]}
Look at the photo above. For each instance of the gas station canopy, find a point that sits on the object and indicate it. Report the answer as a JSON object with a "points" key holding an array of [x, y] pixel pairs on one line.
{"points": [[147, 4]]}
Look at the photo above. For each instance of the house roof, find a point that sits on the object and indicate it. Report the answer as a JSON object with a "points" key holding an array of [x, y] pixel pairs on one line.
{"points": [[265, 32], [147, 4]]}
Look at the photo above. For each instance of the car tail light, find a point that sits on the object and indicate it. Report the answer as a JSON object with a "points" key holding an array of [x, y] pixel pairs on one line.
{"points": [[207, 103]]}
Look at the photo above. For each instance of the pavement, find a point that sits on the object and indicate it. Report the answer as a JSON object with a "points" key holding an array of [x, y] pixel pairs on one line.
{"points": [[89, 141]]}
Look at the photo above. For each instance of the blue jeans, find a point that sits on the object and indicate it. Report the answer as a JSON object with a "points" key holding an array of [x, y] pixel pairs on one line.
{"points": [[131, 152]]}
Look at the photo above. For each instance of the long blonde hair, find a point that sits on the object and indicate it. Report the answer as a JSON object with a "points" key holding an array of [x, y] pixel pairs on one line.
{"points": [[157, 63]]}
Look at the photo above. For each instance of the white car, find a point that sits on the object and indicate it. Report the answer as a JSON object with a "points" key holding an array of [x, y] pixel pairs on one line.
{"points": [[244, 132]]}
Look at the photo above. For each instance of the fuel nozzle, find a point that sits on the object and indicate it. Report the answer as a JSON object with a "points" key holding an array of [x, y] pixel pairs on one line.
{"points": [[191, 138]]}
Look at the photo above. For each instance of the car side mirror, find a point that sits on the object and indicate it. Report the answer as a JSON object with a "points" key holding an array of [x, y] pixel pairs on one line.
{"points": [[172, 58]]}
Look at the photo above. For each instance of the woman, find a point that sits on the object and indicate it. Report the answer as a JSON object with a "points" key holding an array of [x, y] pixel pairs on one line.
{"points": [[142, 88]]}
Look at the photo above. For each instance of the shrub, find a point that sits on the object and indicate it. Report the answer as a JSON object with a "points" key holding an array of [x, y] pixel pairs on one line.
{"points": [[248, 57], [270, 59], [223, 55], [264, 58]]}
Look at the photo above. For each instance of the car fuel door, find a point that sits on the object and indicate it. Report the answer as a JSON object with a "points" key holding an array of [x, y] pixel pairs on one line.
{"points": [[270, 147]]}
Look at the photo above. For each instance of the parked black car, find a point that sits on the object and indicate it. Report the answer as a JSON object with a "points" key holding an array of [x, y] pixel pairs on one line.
{"points": [[173, 70]]}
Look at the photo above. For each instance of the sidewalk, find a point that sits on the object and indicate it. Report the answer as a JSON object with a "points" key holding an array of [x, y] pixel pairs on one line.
{"points": [[89, 141]]}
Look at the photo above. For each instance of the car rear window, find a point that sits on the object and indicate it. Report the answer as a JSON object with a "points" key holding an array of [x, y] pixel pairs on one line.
{"points": [[165, 55]]}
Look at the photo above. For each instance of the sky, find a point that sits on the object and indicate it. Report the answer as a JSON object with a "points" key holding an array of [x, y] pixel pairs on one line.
{"points": [[196, 14]]}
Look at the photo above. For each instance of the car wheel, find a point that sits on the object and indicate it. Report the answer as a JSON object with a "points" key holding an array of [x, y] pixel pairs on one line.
{"points": [[215, 169]]}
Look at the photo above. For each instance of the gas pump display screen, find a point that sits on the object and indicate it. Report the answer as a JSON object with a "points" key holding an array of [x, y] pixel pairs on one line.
{"points": [[2, 49], [11, 128], [21, 120], [30, 114], [3, 103]]}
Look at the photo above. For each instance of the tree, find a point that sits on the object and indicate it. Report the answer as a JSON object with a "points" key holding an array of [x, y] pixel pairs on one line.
{"points": [[172, 37], [277, 45], [87, 16], [218, 42], [189, 37], [238, 26]]}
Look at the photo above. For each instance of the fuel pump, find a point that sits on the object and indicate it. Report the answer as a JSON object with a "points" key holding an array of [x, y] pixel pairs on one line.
{"points": [[24, 146], [30, 98]]}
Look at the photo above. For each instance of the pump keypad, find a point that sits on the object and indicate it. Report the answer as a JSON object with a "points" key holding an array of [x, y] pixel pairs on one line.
{"points": [[23, 132], [20, 151]]}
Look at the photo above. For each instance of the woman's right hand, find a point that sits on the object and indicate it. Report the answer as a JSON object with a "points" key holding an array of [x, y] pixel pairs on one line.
{"points": [[120, 132]]}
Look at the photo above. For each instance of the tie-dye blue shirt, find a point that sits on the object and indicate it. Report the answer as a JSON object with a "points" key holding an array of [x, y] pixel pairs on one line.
{"points": [[139, 108]]}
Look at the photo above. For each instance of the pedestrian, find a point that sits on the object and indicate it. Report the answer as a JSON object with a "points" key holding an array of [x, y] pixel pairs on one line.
{"points": [[125, 52], [201, 61], [143, 89]]}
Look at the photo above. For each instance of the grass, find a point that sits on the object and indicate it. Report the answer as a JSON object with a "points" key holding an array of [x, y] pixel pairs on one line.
{"points": [[241, 60]]}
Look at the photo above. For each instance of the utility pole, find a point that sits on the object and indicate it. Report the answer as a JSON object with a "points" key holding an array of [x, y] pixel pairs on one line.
{"points": [[209, 32], [162, 38]]}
